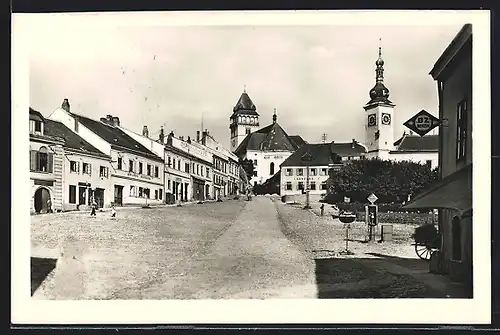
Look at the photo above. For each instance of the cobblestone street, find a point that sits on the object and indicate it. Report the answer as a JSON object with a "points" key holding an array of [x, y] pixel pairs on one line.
{"points": [[233, 249]]}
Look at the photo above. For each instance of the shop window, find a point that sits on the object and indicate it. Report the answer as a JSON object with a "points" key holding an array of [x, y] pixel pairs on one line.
{"points": [[312, 186], [288, 185], [300, 186], [323, 185]]}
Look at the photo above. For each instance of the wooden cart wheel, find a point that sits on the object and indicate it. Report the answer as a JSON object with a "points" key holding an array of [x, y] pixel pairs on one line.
{"points": [[423, 252]]}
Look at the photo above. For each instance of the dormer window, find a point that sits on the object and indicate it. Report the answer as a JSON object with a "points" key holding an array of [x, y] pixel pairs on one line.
{"points": [[36, 127]]}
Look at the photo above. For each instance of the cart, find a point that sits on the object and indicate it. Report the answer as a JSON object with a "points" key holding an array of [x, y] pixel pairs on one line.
{"points": [[427, 241]]}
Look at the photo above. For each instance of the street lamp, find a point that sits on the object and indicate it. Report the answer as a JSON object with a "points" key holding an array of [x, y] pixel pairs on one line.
{"points": [[307, 158]]}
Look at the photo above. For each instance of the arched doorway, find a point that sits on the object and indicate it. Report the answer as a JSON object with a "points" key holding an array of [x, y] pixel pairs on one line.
{"points": [[42, 195]]}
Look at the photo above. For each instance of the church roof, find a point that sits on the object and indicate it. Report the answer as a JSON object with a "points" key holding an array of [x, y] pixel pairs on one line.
{"points": [[270, 138], [416, 143], [245, 106]]}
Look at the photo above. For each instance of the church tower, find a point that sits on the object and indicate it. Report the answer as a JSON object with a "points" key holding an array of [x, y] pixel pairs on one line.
{"points": [[379, 129], [243, 121]]}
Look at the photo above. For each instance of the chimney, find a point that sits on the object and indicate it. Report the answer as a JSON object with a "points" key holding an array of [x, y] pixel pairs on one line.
{"points": [[65, 105], [115, 121], [145, 131], [161, 137], [181, 138], [189, 139], [354, 143], [204, 137], [197, 136]]}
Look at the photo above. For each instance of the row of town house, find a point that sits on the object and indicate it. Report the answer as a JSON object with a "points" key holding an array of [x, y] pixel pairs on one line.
{"points": [[75, 160]]}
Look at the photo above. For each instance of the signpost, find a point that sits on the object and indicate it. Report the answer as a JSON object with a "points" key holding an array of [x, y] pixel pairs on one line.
{"points": [[422, 122], [371, 215]]}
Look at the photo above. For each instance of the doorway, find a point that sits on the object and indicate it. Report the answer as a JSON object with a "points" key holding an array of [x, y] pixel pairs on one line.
{"points": [[99, 197], [118, 195], [42, 195]]}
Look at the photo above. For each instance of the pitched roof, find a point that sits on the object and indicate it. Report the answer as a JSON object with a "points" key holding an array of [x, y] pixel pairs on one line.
{"points": [[298, 140], [270, 138], [36, 115], [416, 143], [71, 140], [347, 148], [116, 137], [244, 106], [320, 153]]}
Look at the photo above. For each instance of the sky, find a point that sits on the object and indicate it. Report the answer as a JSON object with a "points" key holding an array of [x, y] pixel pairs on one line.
{"points": [[317, 77]]}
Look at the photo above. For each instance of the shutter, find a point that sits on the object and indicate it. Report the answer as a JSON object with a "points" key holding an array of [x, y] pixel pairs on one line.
{"points": [[50, 162], [33, 160]]}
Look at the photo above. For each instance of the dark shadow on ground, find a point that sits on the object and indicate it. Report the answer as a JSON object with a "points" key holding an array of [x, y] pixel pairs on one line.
{"points": [[342, 278], [409, 263], [40, 268]]}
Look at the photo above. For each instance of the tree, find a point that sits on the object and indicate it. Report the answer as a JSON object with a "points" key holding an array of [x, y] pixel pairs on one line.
{"points": [[248, 166], [391, 181]]}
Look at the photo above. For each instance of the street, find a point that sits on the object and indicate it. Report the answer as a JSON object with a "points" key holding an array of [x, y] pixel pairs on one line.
{"points": [[234, 249]]}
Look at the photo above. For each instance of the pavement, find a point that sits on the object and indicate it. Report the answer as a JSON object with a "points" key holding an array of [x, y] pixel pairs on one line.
{"points": [[234, 249]]}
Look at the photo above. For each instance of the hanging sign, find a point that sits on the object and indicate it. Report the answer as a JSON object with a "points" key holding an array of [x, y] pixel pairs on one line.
{"points": [[422, 122]]}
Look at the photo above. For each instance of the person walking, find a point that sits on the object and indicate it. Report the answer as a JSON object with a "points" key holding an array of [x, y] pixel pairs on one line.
{"points": [[49, 206], [93, 208], [113, 211]]}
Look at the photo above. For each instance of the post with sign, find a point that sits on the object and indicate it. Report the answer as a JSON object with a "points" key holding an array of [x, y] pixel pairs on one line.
{"points": [[371, 215]]}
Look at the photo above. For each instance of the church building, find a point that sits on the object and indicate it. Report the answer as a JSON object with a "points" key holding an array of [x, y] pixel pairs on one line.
{"points": [[379, 129], [267, 147]]}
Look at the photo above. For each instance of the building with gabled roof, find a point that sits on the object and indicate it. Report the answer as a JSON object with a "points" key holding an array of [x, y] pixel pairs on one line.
{"points": [[267, 147], [299, 174], [135, 170], [85, 170], [46, 166]]}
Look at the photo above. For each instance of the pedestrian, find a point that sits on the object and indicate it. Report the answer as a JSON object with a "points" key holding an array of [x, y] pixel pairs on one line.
{"points": [[322, 209], [49, 206], [113, 211], [93, 208]]}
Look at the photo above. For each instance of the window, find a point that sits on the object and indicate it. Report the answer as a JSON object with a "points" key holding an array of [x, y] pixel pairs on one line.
{"points": [[312, 185], [74, 166], [288, 172], [72, 194], [313, 171], [148, 170], [141, 193], [271, 168], [288, 185], [255, 173], [168, 184], [201, 171], [173, 163], [247, 131], [103, 172], [461, 129], [130, 165], [323, 185], [157, 172], [300, 172], [428, 163], [457, 239], [133, 191], [140, 168], [87, 168], [255, 162], [179, 165], [323, 172], [197, 169], [41, 161], [146, 193], [300, 186], [208, 172], [120, 163], [169, 162], [160, 193], [186, 167], [156, 194]]}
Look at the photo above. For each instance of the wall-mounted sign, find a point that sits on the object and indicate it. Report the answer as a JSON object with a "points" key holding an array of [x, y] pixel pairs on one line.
{"points": [[422, 122]]}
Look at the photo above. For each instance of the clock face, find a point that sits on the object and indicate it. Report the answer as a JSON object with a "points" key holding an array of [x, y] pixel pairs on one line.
{"points": [[372, 120], [386, 119]]}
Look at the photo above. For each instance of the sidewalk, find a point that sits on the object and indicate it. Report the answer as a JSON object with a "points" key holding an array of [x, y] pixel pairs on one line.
{"points": [[324, 239]]}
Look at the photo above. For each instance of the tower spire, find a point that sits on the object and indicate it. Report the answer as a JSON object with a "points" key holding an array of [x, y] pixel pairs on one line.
{"points": [[245, 88], [379, 93], [275, 117]]}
